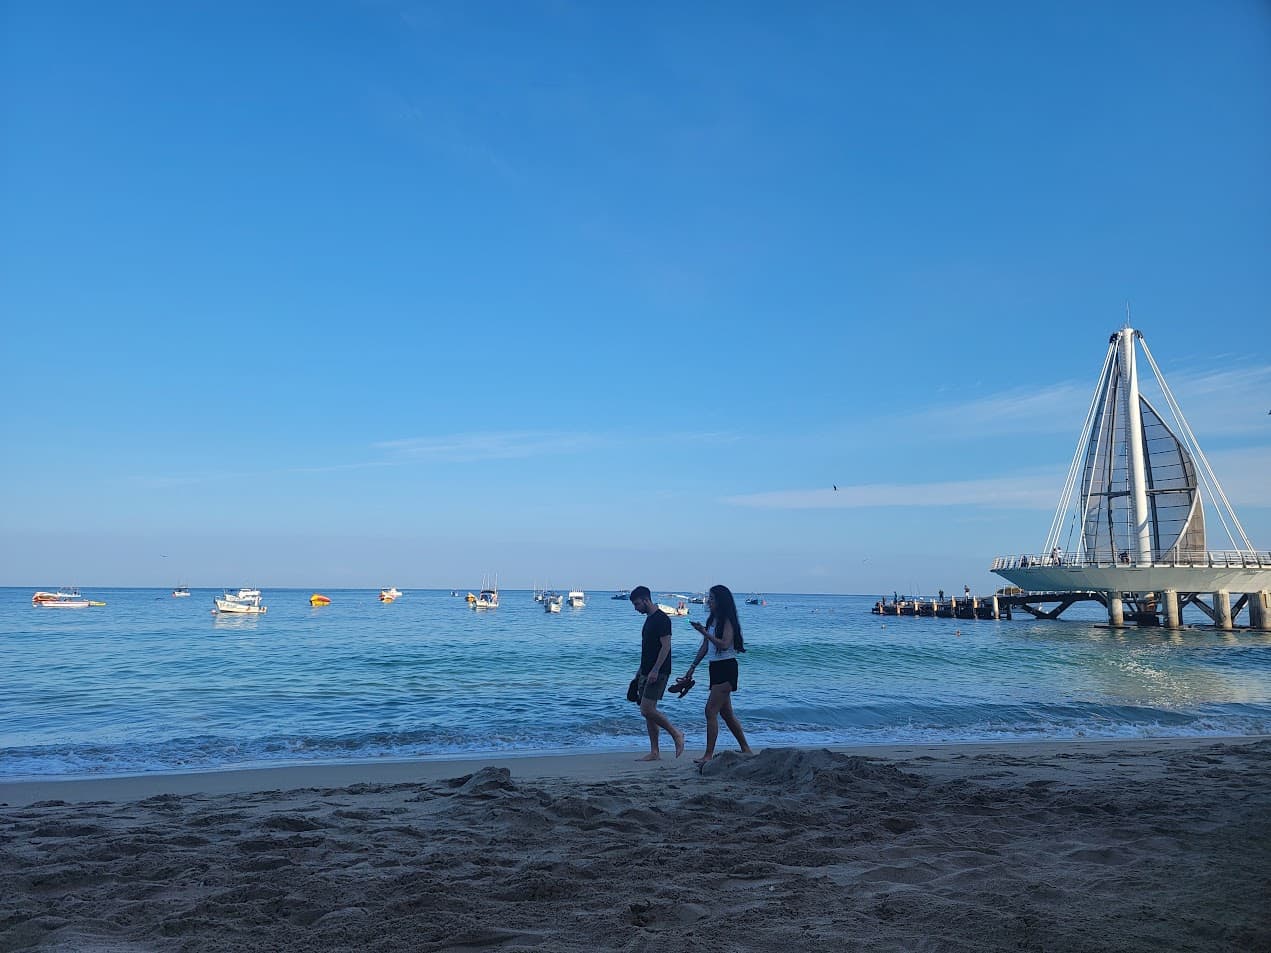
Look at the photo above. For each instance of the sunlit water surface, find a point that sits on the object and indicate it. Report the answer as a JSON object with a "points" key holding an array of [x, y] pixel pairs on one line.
{"points": [[149, 683]]}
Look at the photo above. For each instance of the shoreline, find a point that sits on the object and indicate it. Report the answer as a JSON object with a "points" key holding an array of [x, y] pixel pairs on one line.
{"points": [[581, 767]]}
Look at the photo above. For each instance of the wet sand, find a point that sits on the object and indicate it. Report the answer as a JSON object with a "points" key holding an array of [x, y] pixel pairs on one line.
{"points": [[1145, 845]]}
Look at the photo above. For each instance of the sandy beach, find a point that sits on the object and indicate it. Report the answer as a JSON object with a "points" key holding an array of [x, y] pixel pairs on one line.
{"points": [[1150, 845]]}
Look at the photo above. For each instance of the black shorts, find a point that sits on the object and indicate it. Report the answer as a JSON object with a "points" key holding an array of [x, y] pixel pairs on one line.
{"points": [[725, 671]]}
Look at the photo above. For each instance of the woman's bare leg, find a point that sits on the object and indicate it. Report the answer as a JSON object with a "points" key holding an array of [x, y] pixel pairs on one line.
{"points": [[730, 719], [713, 705]]}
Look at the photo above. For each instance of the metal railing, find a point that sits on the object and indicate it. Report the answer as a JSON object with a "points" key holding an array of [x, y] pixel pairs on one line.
{"points": [[1209, 559]]}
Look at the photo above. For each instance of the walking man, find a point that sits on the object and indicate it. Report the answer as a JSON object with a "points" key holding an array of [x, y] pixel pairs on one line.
{"points": [[654, 671]]}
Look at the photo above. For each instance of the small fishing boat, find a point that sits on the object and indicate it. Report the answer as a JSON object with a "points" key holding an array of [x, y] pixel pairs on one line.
{"points": [[181, 592], [681, 609], [577, 599], [756, 600], [389, 594], [243, 602], [623, 594], [62, 599], [552, 601], [318, 599]]}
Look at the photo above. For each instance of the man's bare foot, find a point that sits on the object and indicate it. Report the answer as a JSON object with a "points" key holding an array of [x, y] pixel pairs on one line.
{"points": [[746, 751], [679, 742], [703, 759], [651, 756]]}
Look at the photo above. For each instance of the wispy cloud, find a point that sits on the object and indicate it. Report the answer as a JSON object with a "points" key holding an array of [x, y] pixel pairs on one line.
{"points": [[506, 445], [1243, 473], [1029, 492], [446, 448], [1052, 408], [438, 128], [1216, 403]]}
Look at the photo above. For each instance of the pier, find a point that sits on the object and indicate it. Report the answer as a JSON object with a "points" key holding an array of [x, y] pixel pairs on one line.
{"points": [[1130, 528], [1147, 609]]}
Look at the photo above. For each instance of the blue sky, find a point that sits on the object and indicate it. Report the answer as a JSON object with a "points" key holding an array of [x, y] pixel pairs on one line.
{"points": [[359, 293]]}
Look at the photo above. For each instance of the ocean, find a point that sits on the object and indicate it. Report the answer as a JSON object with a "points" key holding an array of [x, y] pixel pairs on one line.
{"points": [[149, 683]]}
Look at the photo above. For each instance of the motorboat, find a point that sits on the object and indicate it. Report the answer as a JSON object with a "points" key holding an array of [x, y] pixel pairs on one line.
{"points": [[552, 601], [699, 599], [318, 599], [623, 594], [62, 599], [576, 599], [756, 600], [243, 602], [680, 609], [488, 597], [181, 592], [389, 594]]}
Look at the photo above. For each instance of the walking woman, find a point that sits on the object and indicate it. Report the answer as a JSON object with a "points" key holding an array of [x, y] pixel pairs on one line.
{"points": [[721, 640]]}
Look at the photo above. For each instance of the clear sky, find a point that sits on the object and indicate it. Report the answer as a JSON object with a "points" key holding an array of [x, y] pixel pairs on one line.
{"points": [[350, 294]]}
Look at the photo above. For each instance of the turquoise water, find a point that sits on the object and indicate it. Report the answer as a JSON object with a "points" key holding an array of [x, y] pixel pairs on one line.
{"points": [[149, 683]]}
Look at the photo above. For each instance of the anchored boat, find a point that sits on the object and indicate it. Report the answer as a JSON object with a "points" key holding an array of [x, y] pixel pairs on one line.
{"points": [[62, 599], [488, 597], [243, 602]]}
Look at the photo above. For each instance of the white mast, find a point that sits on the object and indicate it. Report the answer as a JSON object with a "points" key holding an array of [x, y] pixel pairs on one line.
{"points": [[1134, 464]]}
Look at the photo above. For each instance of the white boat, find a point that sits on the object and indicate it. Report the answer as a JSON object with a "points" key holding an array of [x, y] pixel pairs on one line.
{"points": [[680, 609], [486, 599], [243, 602], [552, 601], [181, 592], [62, 599], [389, 594], [576, 599]]}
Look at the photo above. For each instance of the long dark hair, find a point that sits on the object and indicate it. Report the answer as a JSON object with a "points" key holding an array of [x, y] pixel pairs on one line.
{"points": [[724, 609]]}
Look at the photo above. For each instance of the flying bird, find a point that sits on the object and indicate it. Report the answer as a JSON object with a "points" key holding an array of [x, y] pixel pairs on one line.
{"points": [[836, 487]]}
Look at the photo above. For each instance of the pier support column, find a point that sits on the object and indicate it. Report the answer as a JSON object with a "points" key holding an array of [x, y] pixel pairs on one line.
{"points": [[1260, 610], [1222, 609], [1171, 608], [1116, 611], [997, 610]]}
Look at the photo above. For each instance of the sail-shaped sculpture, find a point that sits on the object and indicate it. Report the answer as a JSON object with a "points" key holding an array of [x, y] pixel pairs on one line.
{"points": [[1131, 517]]}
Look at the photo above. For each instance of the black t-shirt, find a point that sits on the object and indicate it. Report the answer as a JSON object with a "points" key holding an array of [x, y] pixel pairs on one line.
{"points": [[655, 626]]}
